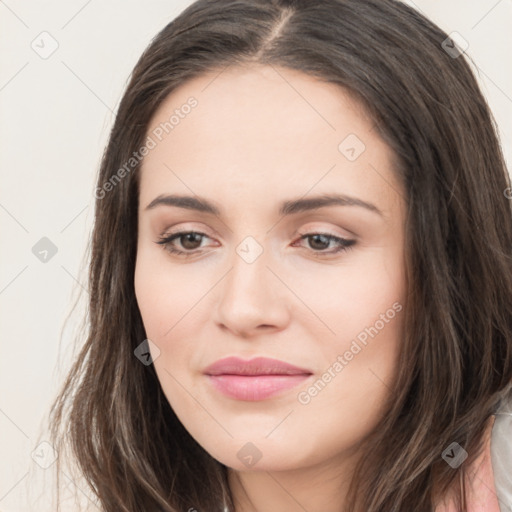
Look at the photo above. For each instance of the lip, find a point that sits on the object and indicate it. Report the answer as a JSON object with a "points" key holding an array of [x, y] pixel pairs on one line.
{"points": [[255, 379]]}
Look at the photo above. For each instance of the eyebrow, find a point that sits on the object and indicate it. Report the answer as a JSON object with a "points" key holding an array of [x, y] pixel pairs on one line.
{"points": [[287, 207]]}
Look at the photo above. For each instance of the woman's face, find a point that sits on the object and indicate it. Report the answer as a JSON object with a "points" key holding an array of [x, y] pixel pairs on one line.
{"points": [[257, 151]]}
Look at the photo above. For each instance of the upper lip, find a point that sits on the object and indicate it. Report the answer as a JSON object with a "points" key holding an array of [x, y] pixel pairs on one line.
{"points": [[255, 366]]}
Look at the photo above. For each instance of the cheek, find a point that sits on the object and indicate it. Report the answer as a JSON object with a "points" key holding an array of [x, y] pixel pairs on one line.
{"points": [[368, 338], [364, 309], [166, 304], [347, 400], [174, 310], [166, 296], [349, 298], [362, 355]]}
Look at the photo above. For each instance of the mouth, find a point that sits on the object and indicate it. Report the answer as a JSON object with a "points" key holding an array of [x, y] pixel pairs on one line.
{"points": [[257, 379]]}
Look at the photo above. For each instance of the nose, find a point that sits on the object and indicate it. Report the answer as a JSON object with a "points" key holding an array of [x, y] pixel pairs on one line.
{"points": [[253, 300]]}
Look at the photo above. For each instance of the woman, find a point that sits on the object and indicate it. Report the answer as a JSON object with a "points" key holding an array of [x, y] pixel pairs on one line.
{"points": [[301, 291]]}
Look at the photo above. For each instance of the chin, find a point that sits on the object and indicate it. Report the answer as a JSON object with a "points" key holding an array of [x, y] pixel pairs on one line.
{"points": [[252, 453]]}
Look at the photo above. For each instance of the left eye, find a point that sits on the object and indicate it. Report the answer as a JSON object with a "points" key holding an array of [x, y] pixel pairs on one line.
{"points": [[190, 241], [325, 239]]}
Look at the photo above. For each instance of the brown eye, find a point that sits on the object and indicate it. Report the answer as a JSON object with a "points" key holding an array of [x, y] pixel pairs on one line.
{"points": [[190, 241], [318, 242]]}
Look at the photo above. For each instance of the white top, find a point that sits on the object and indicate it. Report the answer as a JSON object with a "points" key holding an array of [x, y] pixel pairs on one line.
{"points": [[501, 456]]}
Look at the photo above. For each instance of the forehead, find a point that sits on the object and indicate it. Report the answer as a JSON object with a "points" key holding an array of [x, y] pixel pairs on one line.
{"points": [[262, 127], [253, 104]]}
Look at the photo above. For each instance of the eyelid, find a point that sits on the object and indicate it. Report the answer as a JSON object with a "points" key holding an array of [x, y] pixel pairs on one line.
{"points": [[309, 230], [188, 227], [319, 227]]}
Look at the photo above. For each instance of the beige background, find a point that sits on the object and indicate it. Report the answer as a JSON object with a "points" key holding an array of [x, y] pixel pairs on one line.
{"points": [[55, 117]]}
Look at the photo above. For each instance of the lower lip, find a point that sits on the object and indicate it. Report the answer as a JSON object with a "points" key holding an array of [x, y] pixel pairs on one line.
{"points": [[255, 387]]}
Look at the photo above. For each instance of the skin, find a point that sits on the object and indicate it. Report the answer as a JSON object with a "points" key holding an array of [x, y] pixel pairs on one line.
{"points": [[259, 136]]}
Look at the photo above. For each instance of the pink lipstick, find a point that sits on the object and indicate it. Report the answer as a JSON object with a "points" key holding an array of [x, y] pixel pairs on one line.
{"points": [[256, 379]]}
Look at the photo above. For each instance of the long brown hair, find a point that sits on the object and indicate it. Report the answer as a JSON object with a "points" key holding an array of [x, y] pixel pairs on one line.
{"points": [[456, 353]]}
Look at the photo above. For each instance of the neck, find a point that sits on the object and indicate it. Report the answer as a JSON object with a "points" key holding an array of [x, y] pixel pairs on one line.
{"points": [[312, 489]]}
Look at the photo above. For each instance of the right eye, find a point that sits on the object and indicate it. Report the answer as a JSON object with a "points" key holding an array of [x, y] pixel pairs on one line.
{"points": [[187, 239]]}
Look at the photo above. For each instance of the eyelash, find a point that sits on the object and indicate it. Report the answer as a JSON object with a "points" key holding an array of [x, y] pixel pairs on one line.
{"points": [[344, 243]]}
